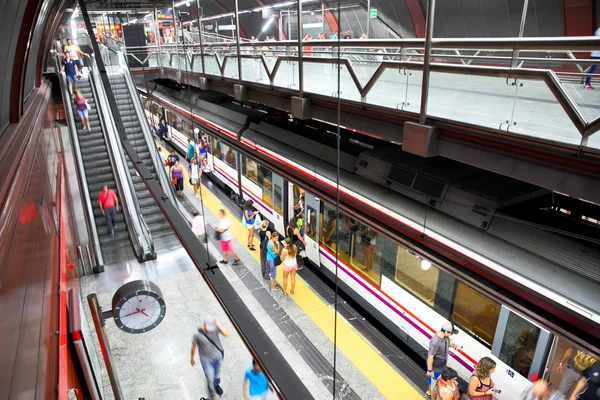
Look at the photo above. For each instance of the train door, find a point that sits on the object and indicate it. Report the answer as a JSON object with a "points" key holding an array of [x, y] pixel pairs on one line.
{"points": [[312, 225], [278, 220], [520, 349]]}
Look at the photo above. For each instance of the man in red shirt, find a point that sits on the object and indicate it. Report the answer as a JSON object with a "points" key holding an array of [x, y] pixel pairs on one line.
{"points": [[109, 207]]}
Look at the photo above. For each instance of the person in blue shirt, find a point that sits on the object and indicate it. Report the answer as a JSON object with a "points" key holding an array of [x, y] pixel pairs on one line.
{"points": [[190, 151], [594, 55], [256, 386], [69, 67]]}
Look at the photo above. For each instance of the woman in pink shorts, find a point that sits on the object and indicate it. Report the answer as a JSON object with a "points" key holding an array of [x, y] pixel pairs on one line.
{"points": [[290, 266]]}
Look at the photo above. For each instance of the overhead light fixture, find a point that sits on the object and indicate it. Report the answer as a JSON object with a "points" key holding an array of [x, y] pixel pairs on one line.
{"points": [[266, 25], [196, 131], [75, 13], [424, 264]]}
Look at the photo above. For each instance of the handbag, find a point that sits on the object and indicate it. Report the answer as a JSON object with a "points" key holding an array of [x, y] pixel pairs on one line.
{"points": [[257, 221], [88, 106], [213, 343], [277, 260], [174, 181]]}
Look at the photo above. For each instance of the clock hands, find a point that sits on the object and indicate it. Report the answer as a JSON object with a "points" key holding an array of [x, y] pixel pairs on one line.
{"points": [[136, 312]]}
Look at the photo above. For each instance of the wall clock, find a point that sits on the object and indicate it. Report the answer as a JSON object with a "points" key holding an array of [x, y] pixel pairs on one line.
{"points": [[138, 307]]}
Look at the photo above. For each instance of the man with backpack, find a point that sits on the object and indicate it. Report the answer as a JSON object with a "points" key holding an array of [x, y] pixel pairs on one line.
{"points": [[211, 353], [588, 387]]}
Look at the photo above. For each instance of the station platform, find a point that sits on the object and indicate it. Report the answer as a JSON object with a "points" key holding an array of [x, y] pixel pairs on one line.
{"points": [[156, 365]]}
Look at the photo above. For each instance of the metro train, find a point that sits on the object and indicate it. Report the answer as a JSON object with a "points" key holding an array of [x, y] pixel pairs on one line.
{"points": [[403, 288]]}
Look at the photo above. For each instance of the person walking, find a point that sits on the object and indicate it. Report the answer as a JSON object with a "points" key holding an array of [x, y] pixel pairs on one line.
{"points": [[70, 70], [190, 151], [198, 226], [82, 107], [195, 176], [224, 235], [173, 157], [177, 178], [249, 217], [162, 129], [76, 55], [437, 356], [594, 55], [273, 260], [290, 265], [109, 207], [576, 361], [588, 386], [210, 352], [541, 390], [264, 235], [481, 385], [255, 385], [447, 385]]}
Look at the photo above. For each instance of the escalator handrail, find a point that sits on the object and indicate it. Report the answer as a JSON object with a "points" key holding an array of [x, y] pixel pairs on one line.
{"points": [[88, 209], [163, 178], [142, 239]]}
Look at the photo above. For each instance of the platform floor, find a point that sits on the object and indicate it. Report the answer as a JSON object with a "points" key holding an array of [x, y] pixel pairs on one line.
{"points": [[156, 365]]}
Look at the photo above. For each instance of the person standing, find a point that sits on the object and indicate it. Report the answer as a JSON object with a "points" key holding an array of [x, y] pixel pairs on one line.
{"points": [[481, 385], [109, 207], [273, 260], [290, 265], [173, 158], [437, 356], [264, 235], [541, 390], [224, 235], [82, 107], [198, 226], [447, 385], [190, 151], [594, 55], [249, 217], [195, 176], [576, 360], [70, 70], [177, 178], [255, 385], [588, 386], [210, 351], [162, 129]]}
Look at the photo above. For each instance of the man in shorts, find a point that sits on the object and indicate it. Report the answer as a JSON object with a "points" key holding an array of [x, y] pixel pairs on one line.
{"points": [[70, 70], [437, 356], [225, 236], [576, 360], [76, 55]]}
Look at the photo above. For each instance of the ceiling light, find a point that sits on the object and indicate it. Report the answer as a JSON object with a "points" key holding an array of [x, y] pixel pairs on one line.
{"points": [[424, 264]]}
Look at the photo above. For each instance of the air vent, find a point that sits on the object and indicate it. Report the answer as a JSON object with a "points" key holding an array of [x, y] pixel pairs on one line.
{"points": [[363, 163], [401, 176], [431, 187], [481, 210]]}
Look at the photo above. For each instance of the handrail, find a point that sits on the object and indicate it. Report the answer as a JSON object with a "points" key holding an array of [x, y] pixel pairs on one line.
{"points": [[163, 179], [141, 239], [82, 181]]}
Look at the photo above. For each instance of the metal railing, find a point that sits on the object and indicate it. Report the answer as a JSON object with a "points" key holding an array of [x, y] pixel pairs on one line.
{"points": [[96, 260], [554, 62], [142, 238]]}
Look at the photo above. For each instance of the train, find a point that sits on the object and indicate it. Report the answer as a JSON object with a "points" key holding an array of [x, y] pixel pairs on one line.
{"points": [[397, 281]]}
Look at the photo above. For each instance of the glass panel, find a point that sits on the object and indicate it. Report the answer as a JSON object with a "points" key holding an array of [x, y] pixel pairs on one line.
{"points": [[153, 60], [399, 89], [211, 65], [224, 153], [231, 68], [254, 71], [519, 343], [278, 203], [287, 75], [538, 114], [475, 313], [322, 79], [478, 100], [166, 59], [594, 141], [298, 201], [197, 63], [265, 181], [250, 169], [311, 223], [409, 274]]}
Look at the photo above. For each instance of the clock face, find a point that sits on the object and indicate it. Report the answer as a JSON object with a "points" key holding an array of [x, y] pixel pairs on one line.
{"points": [[138, 307]]}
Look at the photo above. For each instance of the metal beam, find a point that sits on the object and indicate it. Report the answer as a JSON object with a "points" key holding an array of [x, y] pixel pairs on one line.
{"points": [[427, 60]]}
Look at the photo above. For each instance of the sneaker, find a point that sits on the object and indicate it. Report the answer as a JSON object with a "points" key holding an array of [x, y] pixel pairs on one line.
{"points": [[219, 390], [112, 233], [251, 248], [235, 262], [588, 86], [222, 262], [115, 227]]}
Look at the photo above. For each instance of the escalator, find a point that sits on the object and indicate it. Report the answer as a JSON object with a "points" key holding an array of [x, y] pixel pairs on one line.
{"points": [[98, 171], [162, 233]]}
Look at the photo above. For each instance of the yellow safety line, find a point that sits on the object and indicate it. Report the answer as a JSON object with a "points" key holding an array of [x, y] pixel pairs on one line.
{"points": [[370, 363]]}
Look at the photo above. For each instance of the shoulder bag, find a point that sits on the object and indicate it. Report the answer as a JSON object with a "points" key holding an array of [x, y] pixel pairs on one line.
{"points": [[213, 343]]}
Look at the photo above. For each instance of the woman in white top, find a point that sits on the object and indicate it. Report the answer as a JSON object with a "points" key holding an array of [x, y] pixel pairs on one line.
{"points": [[195, 174], [290, 266], [198, 226]]}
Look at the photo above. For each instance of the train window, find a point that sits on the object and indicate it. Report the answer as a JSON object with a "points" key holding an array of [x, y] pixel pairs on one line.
{"points": [[519, 344], [310, 225], [224, 153], [278, 200], [265, 181], [411, 274], [250, 169], [475, 313]]}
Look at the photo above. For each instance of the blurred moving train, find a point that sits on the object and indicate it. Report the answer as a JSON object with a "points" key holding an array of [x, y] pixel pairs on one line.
{"points": [[403, 284]]}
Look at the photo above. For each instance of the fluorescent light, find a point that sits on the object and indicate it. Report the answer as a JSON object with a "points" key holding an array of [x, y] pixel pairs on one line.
{"points": [[266, 25], [424, 264], [75, 13]]}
